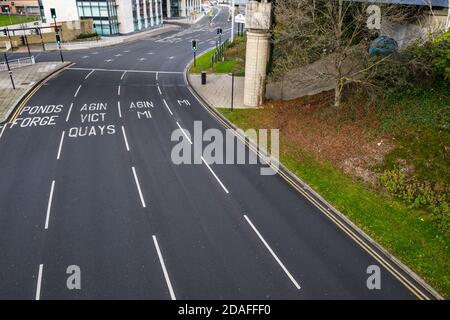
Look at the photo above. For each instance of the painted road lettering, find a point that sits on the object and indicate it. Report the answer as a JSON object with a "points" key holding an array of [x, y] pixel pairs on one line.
{"points": [[38, 116], [142, 109], [93, 121]]}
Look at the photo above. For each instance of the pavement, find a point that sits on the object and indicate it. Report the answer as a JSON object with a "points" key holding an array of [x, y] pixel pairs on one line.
{"points": [[90, 191], [25, 78], [217, 91]]}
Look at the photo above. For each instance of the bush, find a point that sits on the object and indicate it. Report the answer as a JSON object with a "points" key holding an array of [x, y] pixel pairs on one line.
{"points": [[418, 194], [441, 54], [87, 35]]}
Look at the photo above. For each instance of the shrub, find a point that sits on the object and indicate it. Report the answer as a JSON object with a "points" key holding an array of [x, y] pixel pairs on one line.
{"points": [[418, 194], [87, 35], [441, 54]]}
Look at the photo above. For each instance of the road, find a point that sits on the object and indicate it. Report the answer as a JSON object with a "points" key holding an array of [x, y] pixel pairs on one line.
{"points": [[88, 181]]}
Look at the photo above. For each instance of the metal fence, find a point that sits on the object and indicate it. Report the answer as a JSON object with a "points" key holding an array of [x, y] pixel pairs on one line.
{"points": [[17, 63], [218, 55], [84, 44]]}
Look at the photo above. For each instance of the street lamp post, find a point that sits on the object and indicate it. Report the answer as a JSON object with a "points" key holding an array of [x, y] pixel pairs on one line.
{"points": [[232, 21]]}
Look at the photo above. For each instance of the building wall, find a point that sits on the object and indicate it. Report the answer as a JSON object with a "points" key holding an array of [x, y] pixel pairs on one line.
{"points": [[25, 7], [66, 10]]}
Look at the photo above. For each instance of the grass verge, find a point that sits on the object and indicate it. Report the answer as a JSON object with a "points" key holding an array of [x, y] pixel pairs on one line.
{"points": [[406, 233], [6, 20]]}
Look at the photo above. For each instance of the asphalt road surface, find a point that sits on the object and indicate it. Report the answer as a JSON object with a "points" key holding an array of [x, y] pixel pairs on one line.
{"points": [[87, 180]]}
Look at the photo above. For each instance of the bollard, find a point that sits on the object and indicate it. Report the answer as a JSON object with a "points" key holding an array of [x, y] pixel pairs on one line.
{"points": [[203, 78]]}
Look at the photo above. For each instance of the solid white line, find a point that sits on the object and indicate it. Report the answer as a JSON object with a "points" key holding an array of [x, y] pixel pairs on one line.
{"points": [[128, 70], [49, 206], [118, 90], [159, 89], [76, 93], [138, 187], [215, 176], [60, 145], [3, 130], [163, 266], [272, 253], [39, 281], [125, 138], [182, 130], [68, 113], [167, 106], [89, 74], [123, 75], [120, 111]]}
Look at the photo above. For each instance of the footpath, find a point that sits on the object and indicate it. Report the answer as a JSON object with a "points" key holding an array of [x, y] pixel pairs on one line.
{"points": [[25, 79]]}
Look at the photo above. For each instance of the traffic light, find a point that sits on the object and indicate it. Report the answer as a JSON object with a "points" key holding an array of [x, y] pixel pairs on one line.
{"points": [[5, 32], [58, 39], [219, 30], [194, 45], [53, 13]]}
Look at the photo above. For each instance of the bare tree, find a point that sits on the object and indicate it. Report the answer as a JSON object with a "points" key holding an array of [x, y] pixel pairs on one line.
{"points": [[334, 31]]}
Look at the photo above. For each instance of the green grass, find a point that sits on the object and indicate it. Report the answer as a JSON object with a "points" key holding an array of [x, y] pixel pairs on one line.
{"points": [[5, 20], [405, 233], [419, 119], [234, 60]]}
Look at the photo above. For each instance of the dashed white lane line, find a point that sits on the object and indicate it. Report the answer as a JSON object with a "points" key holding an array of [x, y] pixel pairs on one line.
{"points": [[167, 106], [163, 266], [39, 282], [273, 253], [125, 139], [3, 130], [159, 89], [215, 176], [118, 90], [60, 145], [68, 113], [120, 110], [123, 75], [78, 90], [49, 206], [89, 74], [138, 187], [184, 133]]}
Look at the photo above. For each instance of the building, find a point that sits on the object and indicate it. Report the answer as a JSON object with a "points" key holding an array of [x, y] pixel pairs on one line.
{"points": [[22, 7], [65, 10], [112, 17]]}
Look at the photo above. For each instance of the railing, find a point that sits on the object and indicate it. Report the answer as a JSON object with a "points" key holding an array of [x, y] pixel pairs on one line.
{"points": [[218, 55], [84, 44], [17, 63]]}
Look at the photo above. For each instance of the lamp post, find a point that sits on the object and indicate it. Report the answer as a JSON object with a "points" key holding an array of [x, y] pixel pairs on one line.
{"points": [[232, 21]]}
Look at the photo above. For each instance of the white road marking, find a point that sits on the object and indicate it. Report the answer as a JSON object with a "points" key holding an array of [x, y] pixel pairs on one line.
{"points": [[167, 106], [138, 187], [157, 76], [125, 138], [78, 90], [68, 113], [127, 70], [118, 90], [273, 253], [60, 145], [3, 130], [109, 60], [163, 266], [120, 110], [49, 206], [184, 133], [123, 75], [89, 74], [159, 89], [39, 282], [215, 176]]}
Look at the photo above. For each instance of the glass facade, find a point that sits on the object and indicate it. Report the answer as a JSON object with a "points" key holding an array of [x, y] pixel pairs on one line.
{"points": [[104, 14]]}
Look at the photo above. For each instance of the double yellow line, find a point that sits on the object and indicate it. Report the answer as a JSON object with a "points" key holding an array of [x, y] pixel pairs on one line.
{"points": [[19, 109], [328, 212]]}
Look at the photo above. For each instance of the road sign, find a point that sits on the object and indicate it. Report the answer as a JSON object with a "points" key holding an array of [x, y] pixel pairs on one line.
{"points": [[53, 13], [240, 18]]}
